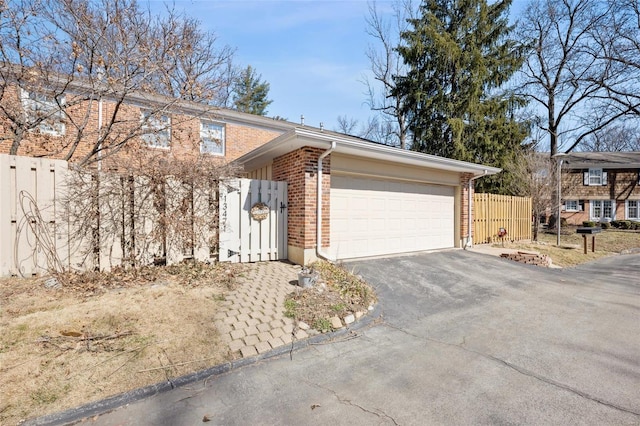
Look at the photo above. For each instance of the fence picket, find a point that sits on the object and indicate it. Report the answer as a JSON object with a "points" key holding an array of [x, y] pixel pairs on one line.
{"points": [[492, 212]]}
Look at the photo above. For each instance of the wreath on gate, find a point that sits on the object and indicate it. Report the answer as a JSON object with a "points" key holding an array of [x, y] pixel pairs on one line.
{"points": [[259, 211]]}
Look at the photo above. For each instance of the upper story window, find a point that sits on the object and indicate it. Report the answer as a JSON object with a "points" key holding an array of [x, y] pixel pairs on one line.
{"points": [[156, 129], [595, 177], [572, 205], [212, 139], [45, 111]]}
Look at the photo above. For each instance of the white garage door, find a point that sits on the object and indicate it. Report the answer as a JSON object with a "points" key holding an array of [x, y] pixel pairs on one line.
{"points": [[375, 217]]}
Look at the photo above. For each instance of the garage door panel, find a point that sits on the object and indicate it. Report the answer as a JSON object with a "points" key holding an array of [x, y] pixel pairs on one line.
{"points": [[374, 217]]}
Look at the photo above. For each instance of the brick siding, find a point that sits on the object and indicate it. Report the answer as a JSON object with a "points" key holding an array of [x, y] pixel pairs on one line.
{"points": [[185, 132], [299, 169], [464, 203]]}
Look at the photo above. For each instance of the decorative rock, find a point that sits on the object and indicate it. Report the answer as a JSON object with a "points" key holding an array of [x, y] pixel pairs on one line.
{"points": [[360, 314], [371, 307], [303, 325], [349, 319], [52, 283], [336, 323]]}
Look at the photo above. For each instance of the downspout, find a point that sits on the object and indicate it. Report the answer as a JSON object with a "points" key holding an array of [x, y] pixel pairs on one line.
{"points": [[469, 242], [319, 251]]}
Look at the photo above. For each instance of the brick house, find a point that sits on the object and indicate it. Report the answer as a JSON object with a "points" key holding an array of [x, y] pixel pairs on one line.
{"points": [[369, 199], [600, 186]]}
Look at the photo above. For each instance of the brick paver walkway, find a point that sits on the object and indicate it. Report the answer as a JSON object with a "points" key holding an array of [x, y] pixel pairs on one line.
{"points": [[251, 319]]}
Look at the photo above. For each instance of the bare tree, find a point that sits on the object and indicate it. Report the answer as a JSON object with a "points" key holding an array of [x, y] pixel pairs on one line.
{"points": [[196, 67], [619, 44], [386, 64], [29, 57], [346, 125], [615, 138], [564, 73], [535, 176], [82, 56]]}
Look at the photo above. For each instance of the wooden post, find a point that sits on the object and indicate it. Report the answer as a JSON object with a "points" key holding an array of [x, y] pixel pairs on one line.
{"points": [[584, 238], [593, 244]]}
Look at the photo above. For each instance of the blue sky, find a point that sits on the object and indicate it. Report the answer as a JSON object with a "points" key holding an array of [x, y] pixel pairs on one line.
{"points": [[312, 53]]}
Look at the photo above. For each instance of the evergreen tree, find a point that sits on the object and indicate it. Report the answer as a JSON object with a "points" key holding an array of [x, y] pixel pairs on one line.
{"points": [[250, 94], [458, 55]]}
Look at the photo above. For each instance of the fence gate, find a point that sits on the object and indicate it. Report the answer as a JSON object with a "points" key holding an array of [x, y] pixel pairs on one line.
{"points": [[253, 220]]}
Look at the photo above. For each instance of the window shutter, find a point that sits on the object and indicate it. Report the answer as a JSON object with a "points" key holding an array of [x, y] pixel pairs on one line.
{"points": [[604, 178], [585, 178], [581, 205]]}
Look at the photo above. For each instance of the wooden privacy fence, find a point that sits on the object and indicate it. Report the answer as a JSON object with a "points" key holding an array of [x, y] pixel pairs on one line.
{"points": [[492, 212], [53, 218], [31, 225]]}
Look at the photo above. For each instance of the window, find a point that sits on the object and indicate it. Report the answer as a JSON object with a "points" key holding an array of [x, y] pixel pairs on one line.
{"points": [[571, 205], [156, 129], [45, 111], [602, 209], [211, 138], [633, 209], [595, 177]]}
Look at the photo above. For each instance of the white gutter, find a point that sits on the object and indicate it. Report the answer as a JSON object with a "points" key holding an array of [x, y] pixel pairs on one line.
{"points": [[319, 251], [469, 242]]}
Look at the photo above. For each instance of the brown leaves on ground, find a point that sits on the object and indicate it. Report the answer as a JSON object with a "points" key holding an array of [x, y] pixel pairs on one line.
{"points": [[88, 336], [338, 293]]}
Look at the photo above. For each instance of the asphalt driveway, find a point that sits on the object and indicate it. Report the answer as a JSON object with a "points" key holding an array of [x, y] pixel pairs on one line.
{"points": [[465, 338]]}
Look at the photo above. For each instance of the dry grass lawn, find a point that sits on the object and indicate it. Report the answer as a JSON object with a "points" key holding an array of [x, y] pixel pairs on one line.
{"points": [[571, 250], [102, 334]]}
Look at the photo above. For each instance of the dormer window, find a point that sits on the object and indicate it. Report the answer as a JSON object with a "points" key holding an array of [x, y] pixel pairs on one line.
{"points": [[44, 113], [595, 177], [156, 129]]}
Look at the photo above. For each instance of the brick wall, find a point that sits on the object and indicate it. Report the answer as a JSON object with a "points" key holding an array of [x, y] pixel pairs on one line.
{"points": [[299, 169], [185, 132], [464, 205]]}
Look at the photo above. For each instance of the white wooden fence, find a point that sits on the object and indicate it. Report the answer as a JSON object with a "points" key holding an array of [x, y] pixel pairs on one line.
{"points": [[51, 219], [30, 216], [244, 238]]}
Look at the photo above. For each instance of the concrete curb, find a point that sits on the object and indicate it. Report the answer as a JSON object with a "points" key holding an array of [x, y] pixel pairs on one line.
{"points": [[83, 412]]}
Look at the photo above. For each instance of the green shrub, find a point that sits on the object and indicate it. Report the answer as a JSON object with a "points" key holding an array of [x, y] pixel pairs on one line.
{"points": [[625, 224], [589, 224], [635, 225], [605, 225], [323, 325], [290, 307], [615, 223], [552, 222]]}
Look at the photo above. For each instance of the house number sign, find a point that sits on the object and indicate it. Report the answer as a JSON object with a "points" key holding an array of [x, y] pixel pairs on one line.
{"points": [[259, 211]]}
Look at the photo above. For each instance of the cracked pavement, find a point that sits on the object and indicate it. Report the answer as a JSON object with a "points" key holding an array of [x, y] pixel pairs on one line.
{"points": [[465, 338]]}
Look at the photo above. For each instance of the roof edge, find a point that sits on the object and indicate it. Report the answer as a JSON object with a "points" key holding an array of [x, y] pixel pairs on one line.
{"points": [[300, 137]]}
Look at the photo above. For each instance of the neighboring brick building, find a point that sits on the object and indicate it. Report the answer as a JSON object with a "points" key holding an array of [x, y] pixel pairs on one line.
{"points": [[180, 128], [601, 186]]}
